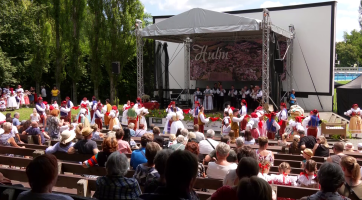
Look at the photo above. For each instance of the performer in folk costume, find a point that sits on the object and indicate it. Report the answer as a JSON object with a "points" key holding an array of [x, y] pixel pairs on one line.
{"points": [[295, 124], [132, 116], [127, 105], [216, 96], [313, 123], [40, 108], [208, 104], [168, 123], [2, 105], [244, 108], [244, 92], [113, 115], [64, 111], [124, 115], [142, 122], [253, 125], [355, 123], [172, 108], [70, 106], [195, 112], [272, 126], [202, 120], [226, 124], [256, 96], [229, 110], [93, 106], [21, 90], [26, 97], [85, 101], [106, 118], [197, 93], [55, 105], [18, 100], [176, 123], [261, 124], [232, 94], [11, 101], [97, 118], [235, 122], [138, 103], [220, 102], [283, 118]]}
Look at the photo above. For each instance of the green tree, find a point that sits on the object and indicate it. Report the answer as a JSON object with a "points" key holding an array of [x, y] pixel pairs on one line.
{"points": [[347, 54]]}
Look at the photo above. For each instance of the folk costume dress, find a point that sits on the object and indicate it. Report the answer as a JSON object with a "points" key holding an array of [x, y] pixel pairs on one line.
{"points": [[272, 126], [284, 179], [243, 112], [261, 124], [12, 100], [26, 98], [2, 105], [208, 101], [113, 115], [97, 118], [235, 123], [202, 121], [124, 115], [355, 123], [176, 123], [195, 113], [168, 123], [312, 123], [84, 115], [305, 180], [283, 120], [253, 124], [226, 125], [40, 109], [93, 108], [70, 105], [197, 93], [64, 112], [21, 91], [106, 117]]}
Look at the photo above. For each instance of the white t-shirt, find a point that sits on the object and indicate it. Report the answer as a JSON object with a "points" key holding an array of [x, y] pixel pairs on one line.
{"points": [[205, 147], [218, 171], [199, 136], [43, 92], [34, 118], [230, 178]]}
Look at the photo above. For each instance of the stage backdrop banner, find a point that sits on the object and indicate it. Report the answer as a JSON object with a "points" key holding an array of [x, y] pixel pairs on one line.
{"points": [[226, 60]]}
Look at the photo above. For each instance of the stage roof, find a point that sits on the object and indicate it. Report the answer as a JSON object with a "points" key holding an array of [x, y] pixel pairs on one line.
{"points": [[199, 23]]}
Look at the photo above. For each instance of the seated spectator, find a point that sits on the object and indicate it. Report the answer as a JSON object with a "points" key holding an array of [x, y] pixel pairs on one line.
{"points": [[96, 135], [78, 131], [352, 188], [264, 168], [239, 142], [178, 132], [139, 132], [115, 185], [109, 145], [5, 138], [147, 170], [254, 188], [231, 179], [306, 141], [180, 174], [85, 146], [151, 128], [359, 146], [180, 143], [54, 124], [193, 147], [157, 138], [14, 129], [330, 178], [283, 142], [232, 155], [307, 178], [127, 137], [139, 156], [25, 124], [160, 164], [35, 116], [338, 153], [349, 147], [64, 144], [283, 177], [321, 148], [221, 166], [42, 173], [34, 130], [171, 140], [207, 145], [293, 147], [191, 137], [123, 146], [307, 155], [72, 129], [199, 136], [249, 140], [248, 166], [131, 129], [16, 121], [262, 153], [185, 133]]}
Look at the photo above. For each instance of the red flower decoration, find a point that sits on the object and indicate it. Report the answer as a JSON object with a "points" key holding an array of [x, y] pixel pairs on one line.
{"points": [[186, 111], [214, 118]]}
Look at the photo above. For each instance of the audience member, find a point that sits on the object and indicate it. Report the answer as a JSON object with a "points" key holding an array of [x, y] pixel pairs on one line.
{"points": [[232, 154], [359, 146], [321, 148], [54, 124], [42, 173], [232, 137], [283, 177], [123, 146], [254, 188], [185, 133], [96, 135], [330, 178], [293, 148], [64, 144], [16, 121], [34, 130], [139, 156], [180, 174], [192, 137], [151, 128], [249, 140], [131, 129], [147, 171], [349, 147], [307, 155], [307, 178], [306, 141], [338, 153], [115, 185], [283, 142], [264, 168], [193, 147], [262, 153], [239, 142], [221, 166], [180, 143], [86, 145], [35, 116], [6, 139], [178, 132], [78, 131], [160, 164], [207, 145], [156, 136], [171, 140], [109, 145], [199, 136], [352, 188]]}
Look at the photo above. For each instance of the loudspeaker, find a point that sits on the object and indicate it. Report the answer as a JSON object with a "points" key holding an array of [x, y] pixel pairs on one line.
{"points": [[279, 66], [116, 69]]}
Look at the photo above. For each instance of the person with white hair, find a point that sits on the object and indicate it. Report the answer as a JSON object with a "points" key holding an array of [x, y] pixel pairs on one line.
{"points": [[185, 133], [176, 123], [115, 184], [207, 145], [221, 167], [180, 143], [6, 138], [239, 142]]}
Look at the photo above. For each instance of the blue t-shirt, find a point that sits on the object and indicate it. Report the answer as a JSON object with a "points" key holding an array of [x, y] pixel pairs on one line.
{"points": [[292, 96], [137, 157], [16, 122], [28, 195], [35, 131]]}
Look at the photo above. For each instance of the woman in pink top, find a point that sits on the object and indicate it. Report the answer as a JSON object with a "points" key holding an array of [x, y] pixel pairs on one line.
{"points": [[123, 146]]}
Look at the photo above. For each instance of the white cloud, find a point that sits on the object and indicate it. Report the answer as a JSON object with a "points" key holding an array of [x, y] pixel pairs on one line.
{"points": [[269, 4]]}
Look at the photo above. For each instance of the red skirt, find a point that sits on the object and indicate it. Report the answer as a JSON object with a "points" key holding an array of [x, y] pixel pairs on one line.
{"points": [[201, 128], [282, 127], [312, 131], [271, 135], [196, 121], [243, 124], [255, 133], [99, 123], [69, 117], [92, 113]]}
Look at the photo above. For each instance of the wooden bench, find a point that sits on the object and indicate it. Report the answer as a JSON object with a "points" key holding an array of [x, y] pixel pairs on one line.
{"points": [[292, 163], [297, 157]]}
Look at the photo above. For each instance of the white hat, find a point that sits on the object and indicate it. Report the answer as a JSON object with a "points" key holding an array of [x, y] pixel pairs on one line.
{"points": [[296, 137], [67, 136], [348, 146], [359, 145]]}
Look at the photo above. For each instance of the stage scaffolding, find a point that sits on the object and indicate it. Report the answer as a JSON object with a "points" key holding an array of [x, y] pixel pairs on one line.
{"points": [[266, 28]]}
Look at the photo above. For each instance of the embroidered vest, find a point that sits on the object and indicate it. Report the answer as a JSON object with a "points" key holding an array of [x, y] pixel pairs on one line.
{"points": [[63, 114], [314, 121], [199, 119], [96, 116], [196, 112], [41, 105], [234, 125], [270, 127]]}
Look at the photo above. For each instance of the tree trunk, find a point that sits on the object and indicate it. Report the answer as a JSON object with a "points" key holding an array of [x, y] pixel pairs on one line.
{"points": [[58, 50], [111, 82], [37, 87], [74, 100], [96, 87]]}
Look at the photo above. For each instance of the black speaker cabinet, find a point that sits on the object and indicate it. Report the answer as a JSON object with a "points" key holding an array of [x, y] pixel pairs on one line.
{"points": [[279, 66], [116, 68]]}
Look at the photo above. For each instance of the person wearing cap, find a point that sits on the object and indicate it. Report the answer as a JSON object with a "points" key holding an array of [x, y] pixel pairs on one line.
{"points": [[113, 115], [85, 101], [235, 122], [64, 110], [226, 124], [272, 126], [195, 112], [355, 123], [64, 144], [282, 118], [55, 92], [313, 122], [97, 118], [106, 117], [307, 155], [40, 108], [292, 99], [244, 108], [201, 119], [93, 106], [197, 93], [359, 147], [208, 104], [70, 106], [86, 145]]}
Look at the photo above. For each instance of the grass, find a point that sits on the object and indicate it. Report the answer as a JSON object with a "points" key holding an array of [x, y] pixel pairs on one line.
{"points": [[343, 82], [25, 113]]}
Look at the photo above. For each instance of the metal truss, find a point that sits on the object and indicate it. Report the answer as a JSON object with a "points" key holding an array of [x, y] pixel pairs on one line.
{"points": [[290, 59], [140, 84], [187, 44], [265, 53]]}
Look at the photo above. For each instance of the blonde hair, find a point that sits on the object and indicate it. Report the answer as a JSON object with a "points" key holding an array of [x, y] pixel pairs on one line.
{"points": [[172, 137], [310, 166], [263, 141], [34, 111], [7, 126], [131, 125], [285, 136], [323, 141], [351, 165], [283, 167], [264, 166]]}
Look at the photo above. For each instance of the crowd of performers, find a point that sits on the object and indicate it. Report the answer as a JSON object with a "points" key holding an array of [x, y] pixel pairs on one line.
{"points": [[13, 99]]}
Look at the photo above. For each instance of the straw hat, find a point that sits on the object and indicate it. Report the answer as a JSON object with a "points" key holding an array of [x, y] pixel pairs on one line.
{"points": [[348, 146], [67, 136], [308, 152], [86, 131]]}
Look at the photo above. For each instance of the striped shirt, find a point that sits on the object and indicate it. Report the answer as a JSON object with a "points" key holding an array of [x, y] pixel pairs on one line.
{"points": [[116, 187]]}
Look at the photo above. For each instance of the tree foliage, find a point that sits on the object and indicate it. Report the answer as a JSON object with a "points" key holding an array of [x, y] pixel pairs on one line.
{"points": [[349, 51]]}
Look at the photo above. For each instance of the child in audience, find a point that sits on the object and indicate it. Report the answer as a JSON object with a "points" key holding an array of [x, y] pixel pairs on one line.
{"points": [[34, 116], [283, 177], [284, 142], [96, 134], [264, 167], [307, 178], [172, 140], [307, 155]]}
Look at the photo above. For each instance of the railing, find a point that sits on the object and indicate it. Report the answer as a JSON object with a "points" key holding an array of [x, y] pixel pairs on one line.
{"points": [[348, 69]]}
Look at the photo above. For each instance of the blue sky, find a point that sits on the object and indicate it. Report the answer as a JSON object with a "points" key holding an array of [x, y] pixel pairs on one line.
{"points": [[347, 10]]}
